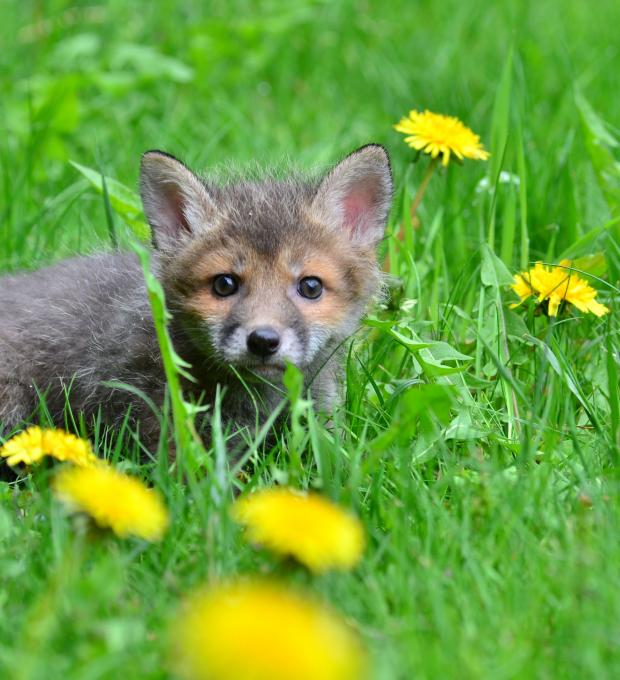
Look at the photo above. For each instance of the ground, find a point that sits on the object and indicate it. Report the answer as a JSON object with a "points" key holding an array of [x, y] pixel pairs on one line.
{"points": [[484, 467]]}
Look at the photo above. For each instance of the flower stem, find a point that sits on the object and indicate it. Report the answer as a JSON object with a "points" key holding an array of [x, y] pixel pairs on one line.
{"points": [[417, 199], [415, 204]]}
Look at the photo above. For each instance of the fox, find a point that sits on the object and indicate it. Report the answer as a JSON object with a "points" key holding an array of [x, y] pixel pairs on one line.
{"points": [[257, 273]]}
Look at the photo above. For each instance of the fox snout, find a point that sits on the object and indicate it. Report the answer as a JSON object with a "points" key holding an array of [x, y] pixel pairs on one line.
{"points": [[261, 345], [263, 341]]}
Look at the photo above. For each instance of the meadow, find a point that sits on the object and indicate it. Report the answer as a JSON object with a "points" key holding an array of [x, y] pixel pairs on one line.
{"points": [[479, 444]]}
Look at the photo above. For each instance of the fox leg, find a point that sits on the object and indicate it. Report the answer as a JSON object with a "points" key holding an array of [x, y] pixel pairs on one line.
{"points": [[16, 404]]}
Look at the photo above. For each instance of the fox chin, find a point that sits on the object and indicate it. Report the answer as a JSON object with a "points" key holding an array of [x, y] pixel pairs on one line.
{"points": [[257, 274]]}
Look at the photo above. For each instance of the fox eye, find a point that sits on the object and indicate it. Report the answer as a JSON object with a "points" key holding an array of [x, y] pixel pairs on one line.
{"points": [[225, 285], [310, 287]]}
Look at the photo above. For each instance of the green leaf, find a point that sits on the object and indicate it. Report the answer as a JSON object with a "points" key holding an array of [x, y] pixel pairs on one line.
{"points": [[294, 382], [75, 49], [515, 326], [433, 359], [501, 119], [418, 410], [494, 272], [430, 355], [407, 338], [594, 264], [123, 200], [146, 61], [175, 367], [586, 242], [601, 145], [463, 429]]}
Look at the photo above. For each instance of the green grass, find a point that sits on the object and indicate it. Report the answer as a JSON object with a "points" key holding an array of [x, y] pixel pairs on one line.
{"points": [[488, 486]]}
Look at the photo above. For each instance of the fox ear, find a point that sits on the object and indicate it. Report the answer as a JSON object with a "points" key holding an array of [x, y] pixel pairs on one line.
{"points": [[176, 203], [356, 195]]}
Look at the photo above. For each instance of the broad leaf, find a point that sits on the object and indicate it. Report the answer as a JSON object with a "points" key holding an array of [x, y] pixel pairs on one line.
{"points": [[123, 200]]}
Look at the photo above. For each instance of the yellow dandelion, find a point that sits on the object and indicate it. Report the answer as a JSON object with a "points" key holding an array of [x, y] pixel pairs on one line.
{"points": [[261, 631], [114, 500], [312, 529], [32, 445], [434, 134], [555, 285], [522, 286]]}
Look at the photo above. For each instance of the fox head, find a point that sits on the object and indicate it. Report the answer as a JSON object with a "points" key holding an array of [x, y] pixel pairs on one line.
{"points": [[264, 272]]}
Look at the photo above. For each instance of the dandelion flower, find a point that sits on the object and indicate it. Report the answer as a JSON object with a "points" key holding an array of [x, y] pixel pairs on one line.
{"points": [[312, 529], [434, 134], [32, 445], [114, 500], [522, 286], [555, 285], [261, 631]]}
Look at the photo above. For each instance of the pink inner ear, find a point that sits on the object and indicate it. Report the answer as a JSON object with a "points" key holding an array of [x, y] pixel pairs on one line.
{"points": [[174, 210], [358, 207]]}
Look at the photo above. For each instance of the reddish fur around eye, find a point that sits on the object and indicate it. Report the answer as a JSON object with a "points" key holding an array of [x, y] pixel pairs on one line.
{"points": [[207, 305]]}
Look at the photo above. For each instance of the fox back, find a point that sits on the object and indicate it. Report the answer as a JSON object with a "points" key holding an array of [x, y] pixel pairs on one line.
{"points": [[256, 274]]}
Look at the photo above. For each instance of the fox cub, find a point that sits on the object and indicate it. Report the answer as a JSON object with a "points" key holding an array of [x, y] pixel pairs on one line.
{"points": [[256, 274]]}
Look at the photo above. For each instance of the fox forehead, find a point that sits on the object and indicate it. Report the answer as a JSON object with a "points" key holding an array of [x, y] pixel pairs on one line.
{"points": [[266, 215]]}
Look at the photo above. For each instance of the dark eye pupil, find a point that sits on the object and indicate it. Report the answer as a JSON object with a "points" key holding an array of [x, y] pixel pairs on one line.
{"points": [[225, 284], [310, 287]]}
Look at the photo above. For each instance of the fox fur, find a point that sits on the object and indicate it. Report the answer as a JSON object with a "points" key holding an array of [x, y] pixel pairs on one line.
{"points": [[68, 330]]}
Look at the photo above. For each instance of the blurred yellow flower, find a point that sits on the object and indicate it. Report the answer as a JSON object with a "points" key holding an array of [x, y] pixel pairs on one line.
{"points": [[556, 285], [33, 444], [261, 631], [114, 500], [434, 134], [312, 529], [308, 527]]}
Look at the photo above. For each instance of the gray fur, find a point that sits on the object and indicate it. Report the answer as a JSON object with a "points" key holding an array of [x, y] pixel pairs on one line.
{"points": [[68, 329]]}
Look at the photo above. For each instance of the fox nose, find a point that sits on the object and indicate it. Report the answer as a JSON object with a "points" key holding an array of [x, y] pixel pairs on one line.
{"points": [[263, 341]]}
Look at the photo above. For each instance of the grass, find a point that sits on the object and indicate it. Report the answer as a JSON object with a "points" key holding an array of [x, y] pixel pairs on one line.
{"points": [[485, 465]]}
